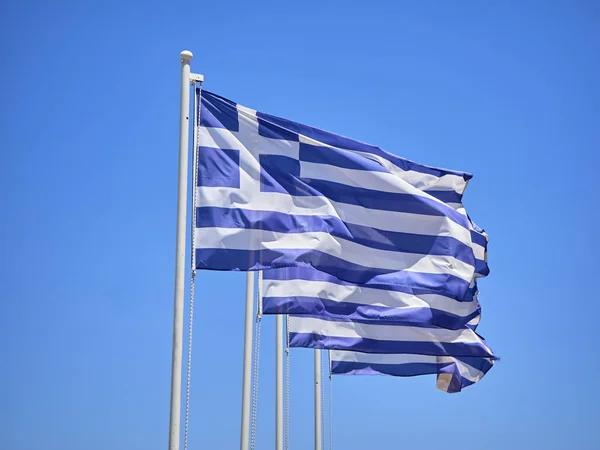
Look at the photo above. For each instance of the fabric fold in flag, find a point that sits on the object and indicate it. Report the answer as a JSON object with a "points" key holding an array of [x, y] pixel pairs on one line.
{"points": [[453, 374], [391, 337], [272, 193], [302, 290]]}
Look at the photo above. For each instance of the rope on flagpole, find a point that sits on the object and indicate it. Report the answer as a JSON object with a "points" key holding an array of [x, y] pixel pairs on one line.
{"points": [[193, 268], [330, 405], [287, 382], [189, 362], [322, 401], [256, 363]]}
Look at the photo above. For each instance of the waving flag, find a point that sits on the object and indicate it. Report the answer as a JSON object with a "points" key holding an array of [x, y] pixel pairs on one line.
{"points": [[369, 336], [368, 251], [273, 193], [453, 374], [306, 291]]}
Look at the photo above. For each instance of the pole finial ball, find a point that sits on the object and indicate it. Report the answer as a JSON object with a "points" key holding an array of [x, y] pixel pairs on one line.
{"points": [[186, 55]]}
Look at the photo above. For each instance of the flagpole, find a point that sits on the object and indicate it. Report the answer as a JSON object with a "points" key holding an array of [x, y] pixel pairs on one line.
{"points": [[279, 382], [245, 429], [184, 99], [318, 430]]}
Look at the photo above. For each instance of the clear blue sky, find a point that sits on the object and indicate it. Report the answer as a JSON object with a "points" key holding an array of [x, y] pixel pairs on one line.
{"points": [[89, 107]]}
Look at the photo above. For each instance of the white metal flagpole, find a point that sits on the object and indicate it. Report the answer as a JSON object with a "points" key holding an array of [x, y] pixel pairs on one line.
{"points": [[318, 430], [245, 430], [279, 382], [174, 420]]}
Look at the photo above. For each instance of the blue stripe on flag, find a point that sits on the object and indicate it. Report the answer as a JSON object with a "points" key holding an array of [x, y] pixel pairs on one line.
{"points": [[481, 268], [367, 345], [369, 321], [478, 238], [370, 237], [398, 370], [414, 282], [264, 129], [218, 112], [446, 196], [385, 201], [338, 158]]}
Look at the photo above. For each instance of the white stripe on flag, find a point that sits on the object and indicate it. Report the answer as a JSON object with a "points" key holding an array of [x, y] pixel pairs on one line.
{"points": [[232, 198], [365, 296], [346, 329], [468, 372], [252, 239]]}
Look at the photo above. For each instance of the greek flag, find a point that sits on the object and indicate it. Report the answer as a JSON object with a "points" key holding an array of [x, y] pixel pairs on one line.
{"points": [[302, 290], [272, 193], [370, 317], [405, 333], [453, 374], [392, 332], [309, 292], [369, 336]]}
